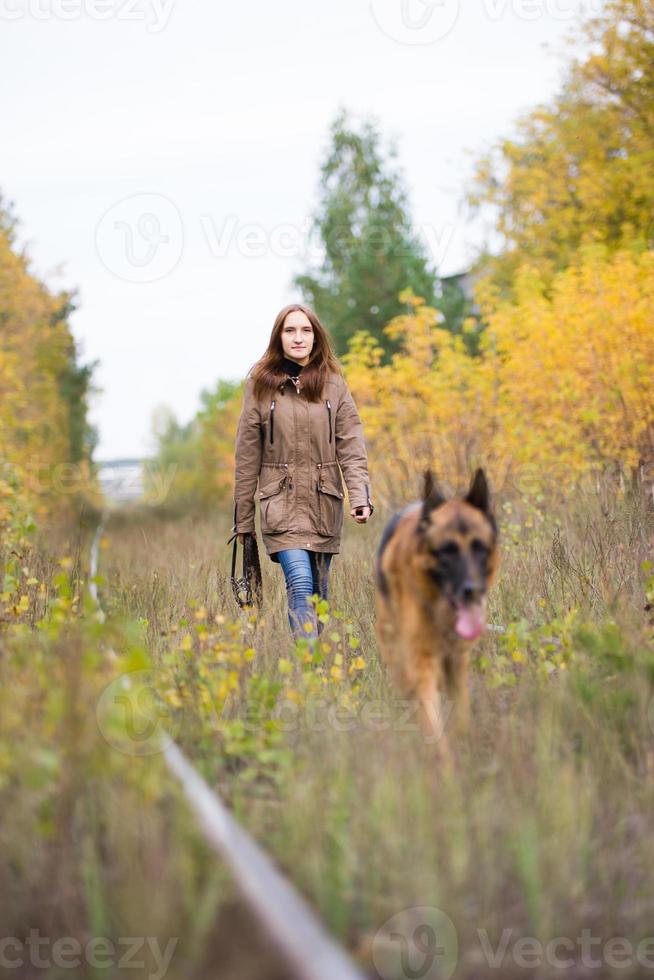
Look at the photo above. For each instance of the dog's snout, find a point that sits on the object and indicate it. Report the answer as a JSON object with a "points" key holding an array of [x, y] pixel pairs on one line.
{"points": [[470, 591]]}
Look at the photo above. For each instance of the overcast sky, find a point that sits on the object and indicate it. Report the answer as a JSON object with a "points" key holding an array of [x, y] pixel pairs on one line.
{"points": [[163, 156]]}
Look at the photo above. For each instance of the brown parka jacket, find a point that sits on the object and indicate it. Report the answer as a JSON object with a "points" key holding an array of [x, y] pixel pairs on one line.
{"points": [[296, 450]]}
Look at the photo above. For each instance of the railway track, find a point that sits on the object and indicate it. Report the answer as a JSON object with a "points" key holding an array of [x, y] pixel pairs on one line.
{"points": [[293, 927]]}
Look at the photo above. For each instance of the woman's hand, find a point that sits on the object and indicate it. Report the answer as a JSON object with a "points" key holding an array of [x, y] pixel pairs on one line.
{"points": [[363, 516]]}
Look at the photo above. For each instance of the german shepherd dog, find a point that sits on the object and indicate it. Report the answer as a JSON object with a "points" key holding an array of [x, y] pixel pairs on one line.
{"points": [[435, 561]]}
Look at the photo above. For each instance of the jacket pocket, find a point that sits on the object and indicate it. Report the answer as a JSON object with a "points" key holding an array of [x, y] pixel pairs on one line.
{"points": [[273, 501], [330, 503]]}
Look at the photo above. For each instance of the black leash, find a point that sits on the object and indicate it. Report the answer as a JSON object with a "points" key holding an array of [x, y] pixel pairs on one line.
{"points": [[248, 588]]}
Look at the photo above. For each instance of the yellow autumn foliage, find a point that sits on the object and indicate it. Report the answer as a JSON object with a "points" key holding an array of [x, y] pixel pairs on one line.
{"points": [[38, 479], [578, 169], [561, 387]]}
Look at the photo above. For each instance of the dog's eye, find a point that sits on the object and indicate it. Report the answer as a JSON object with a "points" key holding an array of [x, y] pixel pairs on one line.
{"points": [[479, 547], [448, 550]]}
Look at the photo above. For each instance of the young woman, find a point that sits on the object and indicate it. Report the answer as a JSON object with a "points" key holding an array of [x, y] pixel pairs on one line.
{"points": [[298, 429]]}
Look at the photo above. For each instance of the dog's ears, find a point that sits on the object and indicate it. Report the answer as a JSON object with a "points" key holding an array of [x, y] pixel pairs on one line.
{"points": [[432, 496], [479, 495]]}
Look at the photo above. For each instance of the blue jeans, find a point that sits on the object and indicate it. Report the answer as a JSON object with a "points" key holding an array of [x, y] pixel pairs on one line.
{"points": [[306, 572]]}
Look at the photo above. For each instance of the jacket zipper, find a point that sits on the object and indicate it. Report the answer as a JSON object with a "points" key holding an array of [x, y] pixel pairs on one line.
{"points": [[272, 419], [329, 412]]}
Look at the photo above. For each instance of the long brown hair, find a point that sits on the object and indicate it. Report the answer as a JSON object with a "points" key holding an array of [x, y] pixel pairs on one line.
{"points": [[268, 373]]}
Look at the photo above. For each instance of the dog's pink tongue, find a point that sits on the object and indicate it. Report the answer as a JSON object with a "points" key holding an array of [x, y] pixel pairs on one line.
{"points": [[469, 622]]}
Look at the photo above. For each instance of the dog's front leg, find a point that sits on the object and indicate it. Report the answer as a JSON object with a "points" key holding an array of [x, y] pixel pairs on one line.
{"points": [[458, 689], [433, 709]]}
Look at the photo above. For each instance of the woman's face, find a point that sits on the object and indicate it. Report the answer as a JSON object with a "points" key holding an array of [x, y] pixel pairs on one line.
{"points": [[297, 337]]}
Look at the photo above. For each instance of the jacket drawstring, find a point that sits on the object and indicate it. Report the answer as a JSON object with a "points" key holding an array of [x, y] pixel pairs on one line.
{"points": [[234, 525], [272, 419]]}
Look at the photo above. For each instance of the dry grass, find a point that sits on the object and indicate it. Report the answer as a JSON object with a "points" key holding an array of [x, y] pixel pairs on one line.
{"points": [[544, 827]]}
